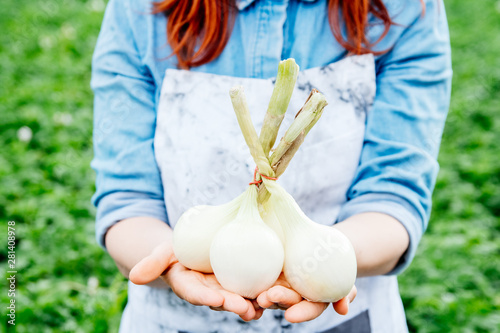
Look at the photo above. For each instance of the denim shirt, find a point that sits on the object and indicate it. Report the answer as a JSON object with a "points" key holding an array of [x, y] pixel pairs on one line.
{"points": [[397, 168]]}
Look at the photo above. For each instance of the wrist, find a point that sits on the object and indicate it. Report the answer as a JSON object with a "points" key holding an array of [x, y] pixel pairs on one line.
{"points": [[379, 241], [131, 240]]}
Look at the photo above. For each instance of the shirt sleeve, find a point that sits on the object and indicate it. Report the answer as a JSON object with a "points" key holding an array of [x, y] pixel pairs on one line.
{"points": [[398, 164], [127, 177]]}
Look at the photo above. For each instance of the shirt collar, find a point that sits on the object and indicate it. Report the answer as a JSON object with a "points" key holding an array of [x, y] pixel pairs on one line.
{"points": [[242, 4]]}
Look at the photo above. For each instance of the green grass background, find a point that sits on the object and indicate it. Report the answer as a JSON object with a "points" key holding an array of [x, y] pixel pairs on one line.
{"points": [[66, 283]]}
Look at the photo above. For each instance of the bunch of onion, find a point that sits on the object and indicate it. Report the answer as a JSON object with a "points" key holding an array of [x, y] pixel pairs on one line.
{"points": [[249, 241]]}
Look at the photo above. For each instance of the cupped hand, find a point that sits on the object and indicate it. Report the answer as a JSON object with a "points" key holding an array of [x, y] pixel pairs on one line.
{"points": [[194, 287], [204, 289], [297, 309]]}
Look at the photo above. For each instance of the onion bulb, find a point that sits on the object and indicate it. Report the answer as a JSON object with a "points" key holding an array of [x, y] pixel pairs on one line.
{"points": [[246, 255], [320, 262], [270, 218], [195, 230]]}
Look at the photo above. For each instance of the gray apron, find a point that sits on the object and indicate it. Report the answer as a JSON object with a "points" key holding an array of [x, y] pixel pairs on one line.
{"points": [[203, 159]]}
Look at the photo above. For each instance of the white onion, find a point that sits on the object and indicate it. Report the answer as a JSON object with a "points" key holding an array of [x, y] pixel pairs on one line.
{"points": [[246, 255], [320, 262], [195, 230]]}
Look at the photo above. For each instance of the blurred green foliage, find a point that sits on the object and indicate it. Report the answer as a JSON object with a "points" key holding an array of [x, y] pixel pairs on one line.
{"points": [[453, 285], [66, 283]]}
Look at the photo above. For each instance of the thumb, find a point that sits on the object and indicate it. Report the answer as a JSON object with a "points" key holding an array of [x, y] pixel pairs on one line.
{"points": [[152, 266], [342, 306]]}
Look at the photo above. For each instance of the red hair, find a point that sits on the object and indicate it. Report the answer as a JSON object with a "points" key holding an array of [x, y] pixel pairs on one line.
{"points": [[198, 30]]}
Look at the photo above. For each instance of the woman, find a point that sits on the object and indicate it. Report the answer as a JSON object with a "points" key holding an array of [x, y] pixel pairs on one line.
{"points": [[369, 164]]}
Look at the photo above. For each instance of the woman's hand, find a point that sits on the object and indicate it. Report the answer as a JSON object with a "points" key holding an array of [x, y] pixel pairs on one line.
{"points": [[204, 289], [282, 296], [195, 287]]}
